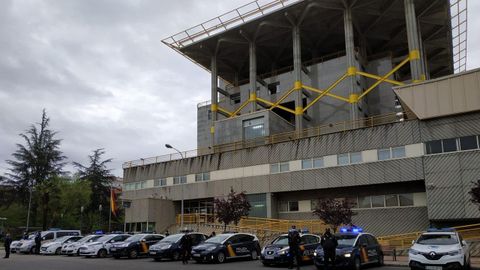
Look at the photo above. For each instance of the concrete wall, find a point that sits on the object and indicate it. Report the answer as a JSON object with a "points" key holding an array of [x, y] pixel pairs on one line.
{"points": [[382, 99], [203, 127], [162, 212]]}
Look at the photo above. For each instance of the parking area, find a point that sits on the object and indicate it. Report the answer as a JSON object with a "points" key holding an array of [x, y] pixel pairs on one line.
{"points": [[38, 262]]}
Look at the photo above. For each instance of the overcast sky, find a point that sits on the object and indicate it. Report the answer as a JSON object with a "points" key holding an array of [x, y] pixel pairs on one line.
{"points": [[100, 70]]}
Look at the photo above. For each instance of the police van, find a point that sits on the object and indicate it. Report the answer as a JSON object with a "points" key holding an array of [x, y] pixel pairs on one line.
{"points": [[277, 252], [28, 246], [227, 246]]}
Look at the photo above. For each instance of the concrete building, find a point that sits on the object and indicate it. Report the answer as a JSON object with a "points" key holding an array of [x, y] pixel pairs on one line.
{"points": [[326, 98]]}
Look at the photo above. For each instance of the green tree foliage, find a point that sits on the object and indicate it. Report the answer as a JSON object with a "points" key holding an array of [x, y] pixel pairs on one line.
{"points": [[100, 180], [334, 212], [35, 163], [232, 209]]}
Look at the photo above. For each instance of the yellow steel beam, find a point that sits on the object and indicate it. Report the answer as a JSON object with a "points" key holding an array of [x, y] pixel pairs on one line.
{"points": [[326, 91], [376, 77], [328, 95], [224, 111], [240, 108], [278, 106], [282, 98], [384, 77]]}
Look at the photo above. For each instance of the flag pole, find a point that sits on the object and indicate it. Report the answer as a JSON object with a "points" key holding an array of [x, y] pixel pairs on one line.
{"points": [[110, 213]]}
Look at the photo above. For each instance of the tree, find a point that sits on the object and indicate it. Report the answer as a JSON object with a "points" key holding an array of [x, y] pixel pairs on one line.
{"points": [[475, 193], [100, 179], [334, 212], [232, 209], [35, 164]]}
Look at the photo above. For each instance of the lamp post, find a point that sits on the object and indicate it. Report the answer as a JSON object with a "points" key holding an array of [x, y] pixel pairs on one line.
{"points": [[181, 213], [29, 205], [81, 217]]}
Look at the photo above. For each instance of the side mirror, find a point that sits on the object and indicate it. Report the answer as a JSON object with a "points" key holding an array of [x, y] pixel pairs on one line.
{"points": [[464, 243], [413, 242]]}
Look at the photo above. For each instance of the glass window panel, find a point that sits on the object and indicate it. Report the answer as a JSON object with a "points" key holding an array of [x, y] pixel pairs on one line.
{"points": [[253, 128], [184, 179], [378, 201], [306, 164], [468, 143], [398, 152], [163, 182], [391, 200], [198, 177], [343, 159], [356, 157], [283, 206], [383, 154], [293, 206], [313, 204], [406, 199], [434, 147], [318, 163], [364, 202], [274, 168], [206, 176], [284, 167], [449, 145], [352, 202]]}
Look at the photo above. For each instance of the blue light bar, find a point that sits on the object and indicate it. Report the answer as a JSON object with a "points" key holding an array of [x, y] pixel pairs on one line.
{"points": [[352, 229], [440, 230]]}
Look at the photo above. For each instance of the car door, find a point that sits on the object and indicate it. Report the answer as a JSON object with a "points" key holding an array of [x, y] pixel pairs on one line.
{"points": [[309, 243], [247, 245], [197, 238], [362, 245], [373, 249], [234, 246]]}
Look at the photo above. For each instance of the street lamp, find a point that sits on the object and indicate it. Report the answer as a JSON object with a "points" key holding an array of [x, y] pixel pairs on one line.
{"points": [[181, 213]]}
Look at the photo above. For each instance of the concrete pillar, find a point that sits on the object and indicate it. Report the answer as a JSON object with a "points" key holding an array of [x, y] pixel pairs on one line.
{"points": [[271, 204], [253, 77], [214, 101], [351, 62], [416, 65], [297, 75]]}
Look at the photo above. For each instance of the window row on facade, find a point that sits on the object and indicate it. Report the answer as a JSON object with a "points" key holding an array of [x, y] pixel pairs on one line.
{"points": [[452, 145]]}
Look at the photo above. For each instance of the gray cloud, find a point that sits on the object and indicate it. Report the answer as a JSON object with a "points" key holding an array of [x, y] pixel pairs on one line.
{"points": [[105, 78]]}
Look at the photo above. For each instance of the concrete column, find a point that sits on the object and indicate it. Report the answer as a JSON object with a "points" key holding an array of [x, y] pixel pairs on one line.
{"points": [[297, 75], [351, 62], [214, 101], [416, 65], [253, 76]]}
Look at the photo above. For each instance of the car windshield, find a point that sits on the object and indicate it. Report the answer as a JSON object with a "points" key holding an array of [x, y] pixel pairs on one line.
{"points": [[105, 238], [281, 240], [437, 239], [172, 238], [61, 239], [135, 238], [346, 240], [218, 239]]}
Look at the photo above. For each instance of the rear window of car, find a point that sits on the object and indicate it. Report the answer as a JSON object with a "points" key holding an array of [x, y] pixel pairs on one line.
{"points": [[437, 239]]}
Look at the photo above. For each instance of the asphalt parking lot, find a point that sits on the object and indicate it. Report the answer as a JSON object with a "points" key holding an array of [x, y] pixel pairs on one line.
{"points": [[39, 262]]}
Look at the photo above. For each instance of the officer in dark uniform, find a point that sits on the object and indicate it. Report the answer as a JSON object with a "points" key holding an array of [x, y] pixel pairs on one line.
{"points": [[8, 242], [329, 244], [294, 247], [38, 242], [186, 245]]}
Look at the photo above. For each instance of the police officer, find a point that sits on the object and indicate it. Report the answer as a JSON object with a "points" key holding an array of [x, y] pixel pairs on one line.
{"points": [[294, 247], [329, 244], [38, 242], [167, 233], [213, 234], [186, 245], [8, 242]]}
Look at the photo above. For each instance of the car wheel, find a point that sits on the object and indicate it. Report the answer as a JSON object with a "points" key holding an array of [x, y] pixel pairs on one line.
{"points": [[133, 254], [102, 253], [254, 255], [32, 250], [176, 256], [357, 265], [57, 252], [220, 257]]}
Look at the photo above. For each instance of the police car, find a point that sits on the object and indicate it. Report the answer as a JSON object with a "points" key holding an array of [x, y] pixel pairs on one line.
{"points": [[101, 247], [355, 249], [277, 252], [135, 246], [227, 246], [439, 248], [55, 246], [170, 247], [71, 249]]}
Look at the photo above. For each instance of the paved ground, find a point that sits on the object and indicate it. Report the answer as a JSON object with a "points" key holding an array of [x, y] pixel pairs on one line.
{"points": [[38, 262]]}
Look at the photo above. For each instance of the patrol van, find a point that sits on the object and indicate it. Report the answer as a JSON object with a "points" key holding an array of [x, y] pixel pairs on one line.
{"points": [[227, 246], [28, 246]]}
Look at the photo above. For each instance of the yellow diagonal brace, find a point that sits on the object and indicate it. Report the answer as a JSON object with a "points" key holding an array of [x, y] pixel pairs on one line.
{"points": [[330, 88], [376, 77], [384, 77], [224, 111], [240, 108], [278, 106], [282, 98], [328, 94]]}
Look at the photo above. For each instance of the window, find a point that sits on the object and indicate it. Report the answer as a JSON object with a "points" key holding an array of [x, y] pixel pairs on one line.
{"points": [[279, 167], [406, 199], [364, 202], [398, 152], [293, 206], [137, 185], [273, 88], [284, 167], [48, 236], [209, 115], [199, 177], [318, 163], [468, 143], [179, 180], [283, 207], [356, 157], [307, 164], [378, 201], [235, 98], [434, 147], [391, 200], [253, 128], [343, 159], [274, 168], [160, 182], [449, 145], [384, 154]]}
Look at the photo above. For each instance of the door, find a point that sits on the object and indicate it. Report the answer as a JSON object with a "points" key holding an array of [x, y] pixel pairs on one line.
{"points": [[373, 249], [308, 244], [362, 246]]}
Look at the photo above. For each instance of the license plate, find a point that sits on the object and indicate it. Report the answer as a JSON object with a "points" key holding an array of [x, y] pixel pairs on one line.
{"points": [[269, 257], [196, 255], [432, 267], [153, 252]]}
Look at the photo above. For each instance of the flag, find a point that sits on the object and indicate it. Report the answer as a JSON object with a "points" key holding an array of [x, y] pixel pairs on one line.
{"points": [[113, 202]]}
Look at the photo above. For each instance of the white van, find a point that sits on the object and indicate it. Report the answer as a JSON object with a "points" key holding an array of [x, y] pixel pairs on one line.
{"points": [[28, 246]]}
